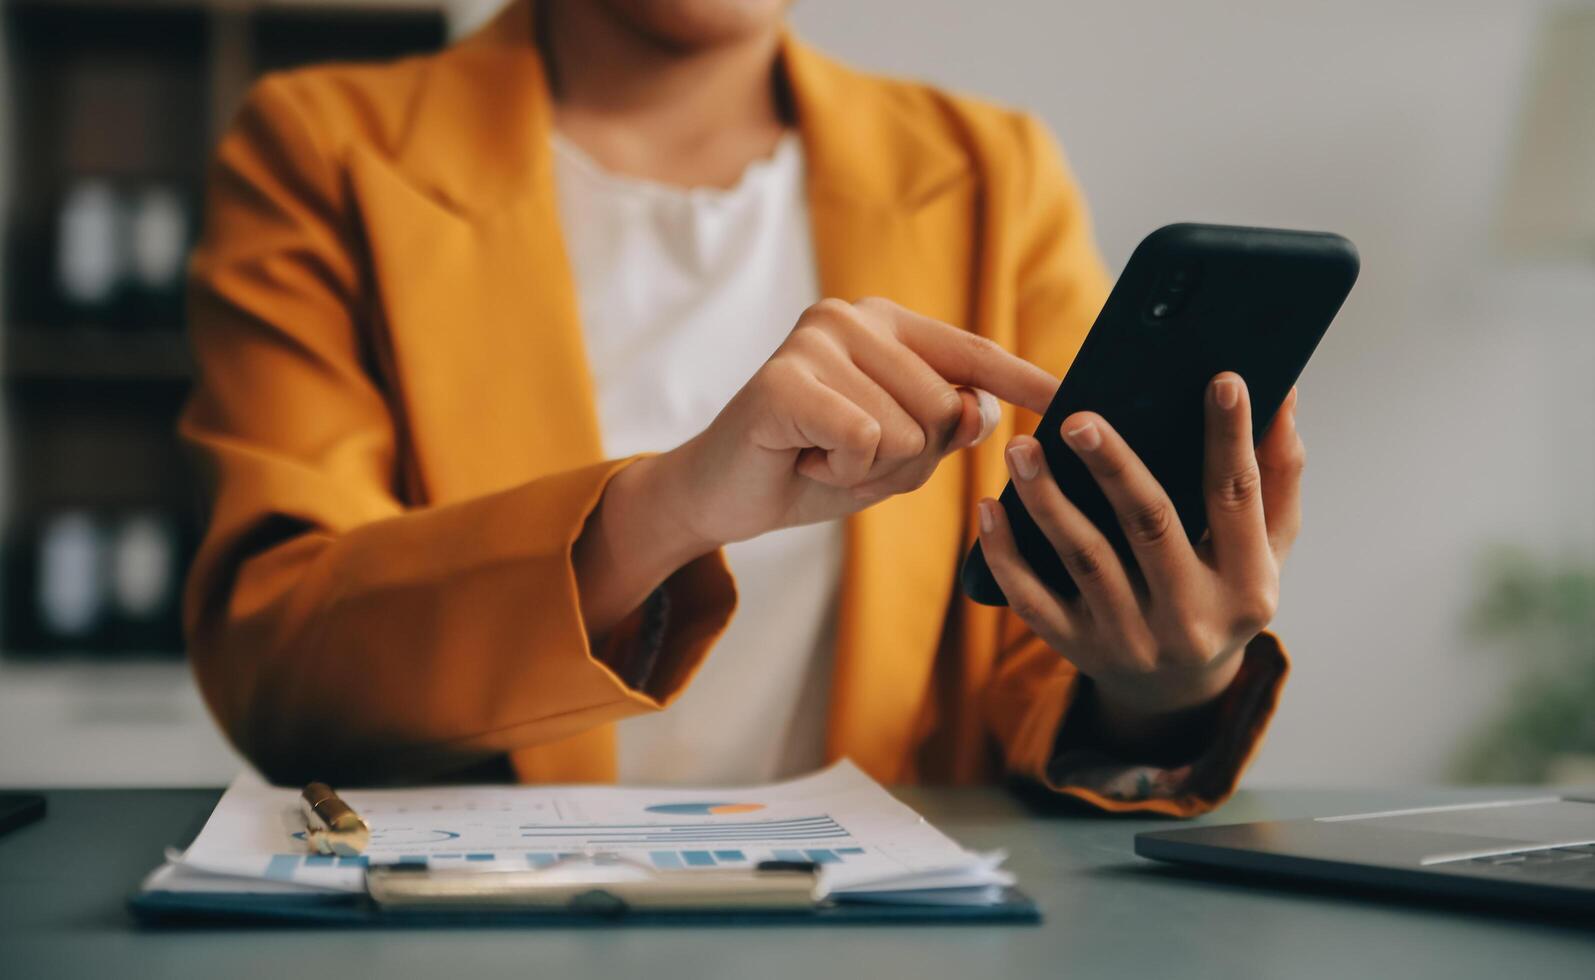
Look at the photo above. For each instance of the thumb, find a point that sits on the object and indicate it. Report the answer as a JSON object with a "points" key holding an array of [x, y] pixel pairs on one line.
{"points": [[982, 412]]}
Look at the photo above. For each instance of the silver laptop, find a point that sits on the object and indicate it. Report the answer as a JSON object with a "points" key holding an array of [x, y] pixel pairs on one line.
{"points": [[1535, 851]]}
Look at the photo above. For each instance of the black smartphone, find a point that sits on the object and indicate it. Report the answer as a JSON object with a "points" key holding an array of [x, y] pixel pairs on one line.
{"points": [[1193, 301]]}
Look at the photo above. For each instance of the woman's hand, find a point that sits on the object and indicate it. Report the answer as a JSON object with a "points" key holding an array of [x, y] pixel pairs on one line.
{"points": [[1162, 638], [862, 401]]}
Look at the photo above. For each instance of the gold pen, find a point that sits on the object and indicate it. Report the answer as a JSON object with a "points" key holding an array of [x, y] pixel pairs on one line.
{"points": [[331, 826]]}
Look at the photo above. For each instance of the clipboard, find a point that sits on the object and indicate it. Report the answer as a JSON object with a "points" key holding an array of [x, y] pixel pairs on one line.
{"points": [[157, 909], [400, 895], [686, 862]]}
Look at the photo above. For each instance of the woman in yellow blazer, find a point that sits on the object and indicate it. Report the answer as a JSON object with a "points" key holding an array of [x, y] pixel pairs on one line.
{"points": [[419, 564]]}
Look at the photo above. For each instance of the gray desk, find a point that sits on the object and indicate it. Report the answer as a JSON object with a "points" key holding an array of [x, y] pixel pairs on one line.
{"points": [[63, 881]]}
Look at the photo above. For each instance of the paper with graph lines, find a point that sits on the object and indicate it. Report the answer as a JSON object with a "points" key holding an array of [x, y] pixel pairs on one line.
{"points": [[867, 843]]}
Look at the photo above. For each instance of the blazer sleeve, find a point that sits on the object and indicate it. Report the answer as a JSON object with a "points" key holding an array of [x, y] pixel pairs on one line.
{"points": [[337, 631], [1061, 287]]}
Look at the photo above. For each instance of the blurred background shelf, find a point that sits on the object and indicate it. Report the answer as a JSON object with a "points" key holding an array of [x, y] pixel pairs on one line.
{"points": [[113, 107], [91, 354]]}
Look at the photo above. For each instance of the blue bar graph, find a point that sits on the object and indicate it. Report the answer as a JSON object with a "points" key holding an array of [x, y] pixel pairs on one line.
{"points": [[666, 860], [282, 867], [675, 860], [816, 829]]}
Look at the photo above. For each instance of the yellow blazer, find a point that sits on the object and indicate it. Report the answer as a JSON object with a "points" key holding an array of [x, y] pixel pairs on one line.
{"points": [[397, 423]]}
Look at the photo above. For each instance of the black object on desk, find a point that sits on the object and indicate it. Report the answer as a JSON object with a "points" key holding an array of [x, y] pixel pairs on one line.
{"points": [[19, 810], [1529, 853]]}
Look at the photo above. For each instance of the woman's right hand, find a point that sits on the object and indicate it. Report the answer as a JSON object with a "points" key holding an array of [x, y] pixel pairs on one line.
{"points": [[862, 401]]}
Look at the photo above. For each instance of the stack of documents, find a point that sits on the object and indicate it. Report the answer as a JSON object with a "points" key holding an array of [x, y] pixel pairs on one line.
{"points": [[864, 846]]}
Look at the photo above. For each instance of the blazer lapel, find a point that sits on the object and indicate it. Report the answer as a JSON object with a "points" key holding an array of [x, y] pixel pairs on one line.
{"points": [[892, 213], [486, 345]]}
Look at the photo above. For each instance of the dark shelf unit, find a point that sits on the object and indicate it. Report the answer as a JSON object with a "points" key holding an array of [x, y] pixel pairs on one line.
{"points": [[125, 98], [68, 354]]}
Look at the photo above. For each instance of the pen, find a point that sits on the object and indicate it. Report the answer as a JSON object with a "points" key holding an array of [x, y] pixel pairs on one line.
{"points": [[331, 825]]}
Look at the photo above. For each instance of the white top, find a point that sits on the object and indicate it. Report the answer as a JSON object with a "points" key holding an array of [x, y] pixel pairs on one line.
{"points": [[684, 293]]}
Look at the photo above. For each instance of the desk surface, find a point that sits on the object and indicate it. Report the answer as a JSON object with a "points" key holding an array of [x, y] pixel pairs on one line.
{"points": [[63, 882]]}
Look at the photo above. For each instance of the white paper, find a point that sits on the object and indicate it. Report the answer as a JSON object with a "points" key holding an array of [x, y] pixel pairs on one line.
{"points": [[175, 877], [863, 838]]}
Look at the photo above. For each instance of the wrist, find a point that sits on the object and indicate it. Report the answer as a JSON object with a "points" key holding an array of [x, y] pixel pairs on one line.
{"points": [[1137, 726], [631, 544], [651, 501], [1146, 721]]}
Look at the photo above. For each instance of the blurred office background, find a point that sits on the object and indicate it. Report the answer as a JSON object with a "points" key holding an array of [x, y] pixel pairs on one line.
{"points": [[1438, 604]]}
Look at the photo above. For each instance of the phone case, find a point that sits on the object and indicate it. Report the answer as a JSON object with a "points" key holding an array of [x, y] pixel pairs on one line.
{"points": [[1193, 301]]}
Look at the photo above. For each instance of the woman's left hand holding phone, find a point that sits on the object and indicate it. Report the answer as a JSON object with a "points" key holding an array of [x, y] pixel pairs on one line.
{"points": [[1162, 636]]}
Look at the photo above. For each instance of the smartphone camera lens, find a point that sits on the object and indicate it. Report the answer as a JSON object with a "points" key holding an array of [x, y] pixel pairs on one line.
{"points": [[1174, 288], [1180, 278]]}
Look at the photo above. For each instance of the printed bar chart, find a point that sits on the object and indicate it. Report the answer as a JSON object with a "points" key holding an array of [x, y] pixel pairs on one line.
{"points": [[819, 829]]}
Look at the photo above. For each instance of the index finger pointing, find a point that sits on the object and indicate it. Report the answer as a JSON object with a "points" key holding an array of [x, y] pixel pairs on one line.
{"points": [[964, 358]]}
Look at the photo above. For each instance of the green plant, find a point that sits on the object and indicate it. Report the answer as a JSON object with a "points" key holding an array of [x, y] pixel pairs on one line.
{"points": [[1541, 614]]}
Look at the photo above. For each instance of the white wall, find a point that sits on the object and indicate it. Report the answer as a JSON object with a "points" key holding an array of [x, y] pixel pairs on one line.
{"points": [[1451, 405]]}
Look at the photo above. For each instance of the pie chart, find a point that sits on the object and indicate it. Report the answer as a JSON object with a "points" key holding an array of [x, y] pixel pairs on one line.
{"points": [[704, 809]]}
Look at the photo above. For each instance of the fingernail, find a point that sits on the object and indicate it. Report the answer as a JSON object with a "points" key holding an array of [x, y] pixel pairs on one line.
{"points": [[1226, 393], [988, 519], [990, 412], [1022, 460], [1084, 439]]}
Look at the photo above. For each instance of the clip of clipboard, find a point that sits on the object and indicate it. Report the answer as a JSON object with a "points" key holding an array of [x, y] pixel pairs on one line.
{"points": [[787, 887]]}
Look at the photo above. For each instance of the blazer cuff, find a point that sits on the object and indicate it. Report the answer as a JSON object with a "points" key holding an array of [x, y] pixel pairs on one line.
{"points": [[1101, 781], [656, 650]]}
